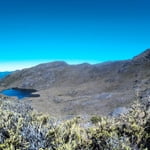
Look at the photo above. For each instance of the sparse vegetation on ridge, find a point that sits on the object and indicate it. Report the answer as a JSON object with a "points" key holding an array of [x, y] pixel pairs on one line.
{"points": [[23, 129]]}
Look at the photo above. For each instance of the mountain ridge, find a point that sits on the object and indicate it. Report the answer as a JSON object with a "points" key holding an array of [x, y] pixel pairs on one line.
{"points": [[84, 89]]}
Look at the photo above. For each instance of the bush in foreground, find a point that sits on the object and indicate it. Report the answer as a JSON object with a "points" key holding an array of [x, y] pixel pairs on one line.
{"points": [[23, 129]]}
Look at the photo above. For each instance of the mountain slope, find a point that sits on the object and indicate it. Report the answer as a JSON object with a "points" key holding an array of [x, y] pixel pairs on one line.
{"points": [[85, 89]]}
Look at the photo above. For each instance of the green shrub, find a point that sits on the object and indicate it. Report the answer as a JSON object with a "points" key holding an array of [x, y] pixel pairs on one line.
{"points": [[23, 129]]}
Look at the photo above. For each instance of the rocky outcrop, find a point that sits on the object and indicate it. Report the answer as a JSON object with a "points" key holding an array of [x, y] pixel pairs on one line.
{"points": [[143, 57], [119, 111]]}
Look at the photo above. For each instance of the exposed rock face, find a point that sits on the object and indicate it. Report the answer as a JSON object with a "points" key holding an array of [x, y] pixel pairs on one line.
{"points": [[143, 58], [85, 89], [119, 111]]}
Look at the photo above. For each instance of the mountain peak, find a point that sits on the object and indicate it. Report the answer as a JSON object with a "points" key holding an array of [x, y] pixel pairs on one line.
{"points": [[144, 57]]}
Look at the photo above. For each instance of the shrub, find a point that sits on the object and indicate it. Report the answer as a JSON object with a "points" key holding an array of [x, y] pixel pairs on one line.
{"points": [[21, 128]]}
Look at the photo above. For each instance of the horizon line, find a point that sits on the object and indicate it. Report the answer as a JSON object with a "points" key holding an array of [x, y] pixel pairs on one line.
{"points": [[19, 65]]}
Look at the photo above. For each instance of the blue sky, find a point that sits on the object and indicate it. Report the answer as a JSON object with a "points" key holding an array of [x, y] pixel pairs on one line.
{"points": [[36, 31]]}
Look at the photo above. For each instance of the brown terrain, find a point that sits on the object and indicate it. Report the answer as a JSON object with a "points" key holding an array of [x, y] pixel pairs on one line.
{"points": [[69, 90]]}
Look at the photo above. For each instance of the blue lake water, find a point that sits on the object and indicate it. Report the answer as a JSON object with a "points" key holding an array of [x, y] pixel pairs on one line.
{"points": [[20, 94], [4, 74]]}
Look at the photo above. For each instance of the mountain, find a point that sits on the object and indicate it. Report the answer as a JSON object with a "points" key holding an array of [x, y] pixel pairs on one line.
{"points": [[84, 89]]}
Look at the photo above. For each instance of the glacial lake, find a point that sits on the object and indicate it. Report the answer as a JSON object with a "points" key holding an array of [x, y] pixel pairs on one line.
{"points": [[19, 93], [5, 74]]}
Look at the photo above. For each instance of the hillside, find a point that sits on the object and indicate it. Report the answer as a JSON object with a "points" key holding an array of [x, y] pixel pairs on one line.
{"points": [[68, 90]]}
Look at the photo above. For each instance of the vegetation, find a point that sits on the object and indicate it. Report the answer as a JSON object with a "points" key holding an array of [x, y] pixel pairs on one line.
{"points": [[23, 129]]}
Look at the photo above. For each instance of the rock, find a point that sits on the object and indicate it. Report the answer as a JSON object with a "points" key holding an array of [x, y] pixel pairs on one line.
{"points": [[143, 57], [119, 111]]}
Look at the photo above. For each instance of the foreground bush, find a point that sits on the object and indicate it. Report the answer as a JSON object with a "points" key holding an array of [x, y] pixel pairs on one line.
{"points": [[23, 129]]}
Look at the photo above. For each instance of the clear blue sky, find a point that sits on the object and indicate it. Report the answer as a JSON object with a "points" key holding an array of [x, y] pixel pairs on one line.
{"points": [[35, 31]]}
